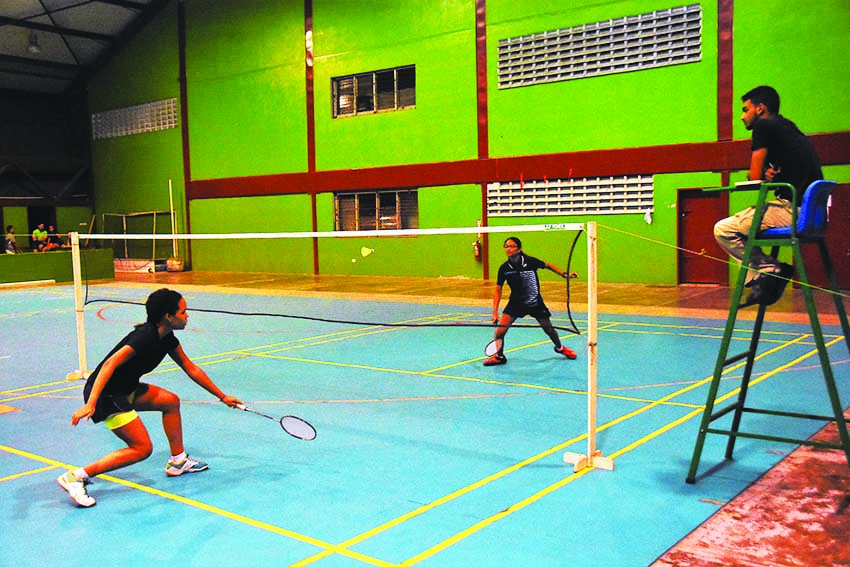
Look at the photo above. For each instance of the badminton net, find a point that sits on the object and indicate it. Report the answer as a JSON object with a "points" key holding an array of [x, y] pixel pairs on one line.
{"points": [[380, 263], [371, 261]]}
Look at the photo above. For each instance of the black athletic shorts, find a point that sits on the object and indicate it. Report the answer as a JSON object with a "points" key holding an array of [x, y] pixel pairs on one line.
{"points": [[111, 404], [519, 310]]}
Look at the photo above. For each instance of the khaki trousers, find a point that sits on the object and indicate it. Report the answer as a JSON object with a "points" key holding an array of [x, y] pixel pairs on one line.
{"points": [[731, 234]]}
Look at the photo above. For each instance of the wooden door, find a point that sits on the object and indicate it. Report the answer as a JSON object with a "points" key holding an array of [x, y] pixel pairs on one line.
{"points": [[698, 211]]}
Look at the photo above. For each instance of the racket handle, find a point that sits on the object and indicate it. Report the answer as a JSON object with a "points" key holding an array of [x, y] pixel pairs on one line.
{"points": [[243, 407]]}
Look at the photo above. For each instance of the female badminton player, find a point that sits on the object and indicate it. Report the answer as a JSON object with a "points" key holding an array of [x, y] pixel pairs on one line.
{"points": [[520, 271], [114, 393]]}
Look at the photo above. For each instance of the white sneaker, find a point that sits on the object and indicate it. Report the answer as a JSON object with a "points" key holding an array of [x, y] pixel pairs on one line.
{"points": [[187, 465], [76, 489]]}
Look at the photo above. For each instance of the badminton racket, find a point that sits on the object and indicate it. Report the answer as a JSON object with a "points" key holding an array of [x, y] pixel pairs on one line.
{"points": [[295, 426], [493, 347]]}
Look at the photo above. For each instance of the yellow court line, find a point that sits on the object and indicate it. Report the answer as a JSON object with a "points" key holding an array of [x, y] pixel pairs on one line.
{"points": [[25, 388], [28, 473], [708, 328], [446, 543], [433, 550], [697, 336], [432, 374], [207, 508], [343, 547], [487, 521], [426, 373], [443, 500], [389, 400], [39, 394], [719, 399]]}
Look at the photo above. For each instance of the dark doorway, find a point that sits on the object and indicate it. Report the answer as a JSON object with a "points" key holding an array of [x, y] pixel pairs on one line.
{"points": [[37, 216], [698, 252]]}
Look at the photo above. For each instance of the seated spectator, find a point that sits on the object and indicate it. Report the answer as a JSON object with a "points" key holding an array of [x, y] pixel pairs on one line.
{"points": [[11, 245], [39, 238], [53, 242]]}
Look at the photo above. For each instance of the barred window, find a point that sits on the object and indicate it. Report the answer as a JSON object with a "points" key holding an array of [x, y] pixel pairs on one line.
{"points": [[585, 196], [382, 210], [377, 91], [645, 41], [148, 117]]}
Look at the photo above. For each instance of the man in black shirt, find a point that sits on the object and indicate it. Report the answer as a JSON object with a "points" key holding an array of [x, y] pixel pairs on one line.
{"points": [[781, 153]]}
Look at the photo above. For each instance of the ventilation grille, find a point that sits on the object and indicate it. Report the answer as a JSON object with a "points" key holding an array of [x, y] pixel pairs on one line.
{"points": [[633, 43], [586, 196], [148, 117]]}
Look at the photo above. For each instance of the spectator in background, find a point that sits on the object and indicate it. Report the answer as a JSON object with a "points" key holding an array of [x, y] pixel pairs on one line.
{"points": [[53, 242], [11, 245], [39, 238]]}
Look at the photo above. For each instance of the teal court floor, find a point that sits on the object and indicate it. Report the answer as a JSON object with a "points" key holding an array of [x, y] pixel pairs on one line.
{"points": [[423, 456]]}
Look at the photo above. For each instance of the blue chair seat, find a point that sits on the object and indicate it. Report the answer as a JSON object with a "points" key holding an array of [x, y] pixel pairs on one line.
{"points": [[812, 219]]}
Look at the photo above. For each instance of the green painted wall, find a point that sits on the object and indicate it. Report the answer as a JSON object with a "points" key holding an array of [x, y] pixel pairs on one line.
{"points": [[429, 256], [439, 38], [132, 173], [73, 219], [668, 105], [247, 113], [802, 53], [256, 215], [426, 256], [630, 250], [247, 110], [55, 265]]}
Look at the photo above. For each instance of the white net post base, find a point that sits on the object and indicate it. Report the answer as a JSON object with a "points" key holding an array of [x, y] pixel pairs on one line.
{"points": [[596, 461]]}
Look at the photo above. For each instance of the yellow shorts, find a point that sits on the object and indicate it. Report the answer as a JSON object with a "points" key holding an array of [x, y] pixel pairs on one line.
{"points": [[117, 420]]}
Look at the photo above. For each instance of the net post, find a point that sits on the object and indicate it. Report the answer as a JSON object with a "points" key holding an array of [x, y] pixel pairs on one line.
{"points": [[593, 458], [81, 372]]}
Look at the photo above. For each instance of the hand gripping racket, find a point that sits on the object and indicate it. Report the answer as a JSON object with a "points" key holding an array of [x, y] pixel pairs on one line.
{"points": [[295, 426]]}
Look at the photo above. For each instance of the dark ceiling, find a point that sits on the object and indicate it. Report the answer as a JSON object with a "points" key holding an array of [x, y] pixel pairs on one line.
{"points": [[57, 46]]}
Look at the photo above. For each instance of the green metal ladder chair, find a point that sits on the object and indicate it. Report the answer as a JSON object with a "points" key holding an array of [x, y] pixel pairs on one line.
{"points": [[807, 226]]}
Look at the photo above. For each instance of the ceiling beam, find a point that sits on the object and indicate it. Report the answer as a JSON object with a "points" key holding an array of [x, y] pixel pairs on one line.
{"points": [[140, 6], [39, 63], [48, 28]]}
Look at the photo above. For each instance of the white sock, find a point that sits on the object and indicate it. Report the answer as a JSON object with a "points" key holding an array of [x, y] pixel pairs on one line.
{"points": [[178, 458], [81, 474]]}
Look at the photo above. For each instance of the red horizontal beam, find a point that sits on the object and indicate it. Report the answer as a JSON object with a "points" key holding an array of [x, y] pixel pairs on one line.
{"points": [[833, 149]]}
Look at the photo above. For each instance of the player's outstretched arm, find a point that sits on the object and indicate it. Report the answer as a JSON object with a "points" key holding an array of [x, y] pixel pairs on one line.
{"points": [[197, 374], [560, 272]]}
